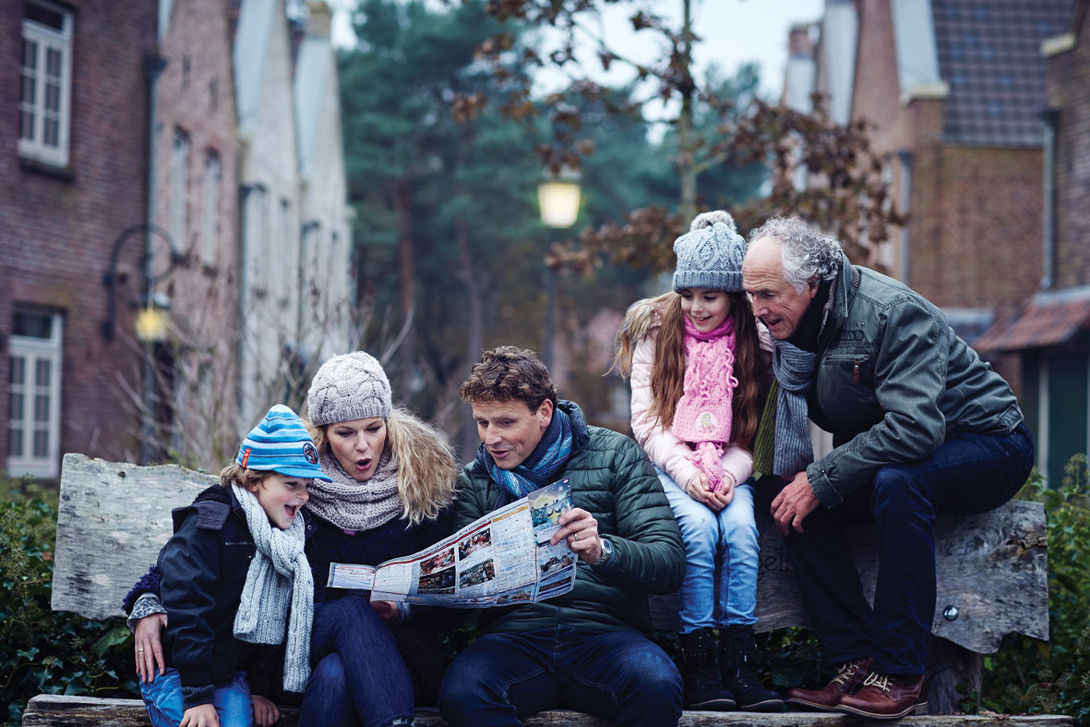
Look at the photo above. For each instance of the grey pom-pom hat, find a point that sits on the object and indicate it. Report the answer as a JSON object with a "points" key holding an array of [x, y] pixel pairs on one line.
{"points": [[710, 254]]}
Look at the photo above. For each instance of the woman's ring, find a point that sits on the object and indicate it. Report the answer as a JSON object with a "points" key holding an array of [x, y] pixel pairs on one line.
{"points": [[140, 649]]}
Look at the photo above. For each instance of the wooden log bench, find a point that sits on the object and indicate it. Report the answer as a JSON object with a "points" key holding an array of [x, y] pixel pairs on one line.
{"points": [[114, 517]]}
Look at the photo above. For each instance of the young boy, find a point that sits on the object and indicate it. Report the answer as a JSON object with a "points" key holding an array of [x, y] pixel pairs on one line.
{"points": [[231, 573]]}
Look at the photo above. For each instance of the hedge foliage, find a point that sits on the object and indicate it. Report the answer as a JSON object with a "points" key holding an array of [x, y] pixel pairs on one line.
{"points": [[42, 651]]}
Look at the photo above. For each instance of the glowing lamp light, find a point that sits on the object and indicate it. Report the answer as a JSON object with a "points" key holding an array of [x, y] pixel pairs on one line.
{"points": [[559, 201], [151, 324]]}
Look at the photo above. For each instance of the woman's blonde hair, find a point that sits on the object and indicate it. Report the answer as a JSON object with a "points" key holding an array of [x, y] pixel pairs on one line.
{"points": [[427, 471], [668, 369]]}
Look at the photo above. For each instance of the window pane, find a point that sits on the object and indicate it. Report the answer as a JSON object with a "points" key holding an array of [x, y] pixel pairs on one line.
{"points": [[52, 63], [41, 443], [51, 135], [34, 325], [45, 15], [52, 97], [30, 55], [42, 371], [15, 441], [15, 406], [41, 408], [17, 370]]}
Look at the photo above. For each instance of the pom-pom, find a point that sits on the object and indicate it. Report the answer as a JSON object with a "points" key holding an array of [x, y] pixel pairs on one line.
{"points": [[707, 219]]}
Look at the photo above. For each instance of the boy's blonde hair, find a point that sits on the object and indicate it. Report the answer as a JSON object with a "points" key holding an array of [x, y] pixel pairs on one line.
{"points": [[235, 473]]}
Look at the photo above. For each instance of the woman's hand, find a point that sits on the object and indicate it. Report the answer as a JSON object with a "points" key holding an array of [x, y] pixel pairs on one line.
{"points": [[386, 610], [149, 646], [203, 715], [266, 713]]}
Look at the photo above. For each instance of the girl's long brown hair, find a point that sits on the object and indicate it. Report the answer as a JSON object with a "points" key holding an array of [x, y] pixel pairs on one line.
{"points": [[668, 370]]}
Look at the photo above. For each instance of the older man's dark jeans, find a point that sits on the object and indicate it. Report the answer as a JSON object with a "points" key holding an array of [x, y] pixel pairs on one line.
{"points": [[969, 474]]}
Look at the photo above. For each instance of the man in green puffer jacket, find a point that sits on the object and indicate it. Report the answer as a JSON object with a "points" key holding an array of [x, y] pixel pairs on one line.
{"points": [[920, 425], [586, 650]]}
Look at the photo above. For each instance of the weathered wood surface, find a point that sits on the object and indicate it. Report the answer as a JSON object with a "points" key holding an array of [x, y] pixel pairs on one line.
{"points": [[992, 568], [112, 520], [61, 711]]}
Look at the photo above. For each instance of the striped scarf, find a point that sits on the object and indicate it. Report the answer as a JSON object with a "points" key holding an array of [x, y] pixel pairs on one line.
{"points": [[551, 453], [794, 370]]}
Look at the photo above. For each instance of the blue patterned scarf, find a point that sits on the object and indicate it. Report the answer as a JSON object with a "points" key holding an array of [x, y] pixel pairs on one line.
{"points": [[551, 453]]}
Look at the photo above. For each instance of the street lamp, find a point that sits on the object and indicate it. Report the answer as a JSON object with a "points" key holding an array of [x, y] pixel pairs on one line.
{"points": [[150, 323], [558, 197]]}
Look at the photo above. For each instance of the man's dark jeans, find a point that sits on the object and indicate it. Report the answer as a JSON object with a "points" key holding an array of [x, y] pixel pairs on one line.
{"points": [[969, 474], [620, 675]]}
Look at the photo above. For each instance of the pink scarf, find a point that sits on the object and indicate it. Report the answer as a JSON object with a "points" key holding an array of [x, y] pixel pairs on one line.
{"points": [[703, 413]]}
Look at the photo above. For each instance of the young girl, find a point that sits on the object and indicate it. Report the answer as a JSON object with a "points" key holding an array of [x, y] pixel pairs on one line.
{"points": [[230, 574], [697, 372], [390, 485]]}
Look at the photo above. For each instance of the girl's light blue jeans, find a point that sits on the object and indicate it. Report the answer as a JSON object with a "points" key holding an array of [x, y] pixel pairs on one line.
{"points": [[721, 554], [163, 700]]}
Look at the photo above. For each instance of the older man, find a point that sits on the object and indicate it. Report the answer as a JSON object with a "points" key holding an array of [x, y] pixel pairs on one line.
{"points": [[585, 650], [920, 425]]}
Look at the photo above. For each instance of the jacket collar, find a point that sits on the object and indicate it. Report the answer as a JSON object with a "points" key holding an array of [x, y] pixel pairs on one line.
{"points": [[841, 297]]}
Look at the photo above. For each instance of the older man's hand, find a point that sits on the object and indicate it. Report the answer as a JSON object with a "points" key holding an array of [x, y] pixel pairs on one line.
{"points": [[795, 501]]}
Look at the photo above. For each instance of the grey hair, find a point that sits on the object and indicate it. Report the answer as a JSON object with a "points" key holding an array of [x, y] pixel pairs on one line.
{"points": [[807, 253]]}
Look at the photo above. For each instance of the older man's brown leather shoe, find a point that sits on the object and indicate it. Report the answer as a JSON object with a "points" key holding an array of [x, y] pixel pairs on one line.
{"points": [[849, 677], [886, 696]]}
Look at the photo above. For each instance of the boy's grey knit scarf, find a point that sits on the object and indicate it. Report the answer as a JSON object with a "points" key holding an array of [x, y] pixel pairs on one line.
{"points": [[794, 370], [279, 575]]}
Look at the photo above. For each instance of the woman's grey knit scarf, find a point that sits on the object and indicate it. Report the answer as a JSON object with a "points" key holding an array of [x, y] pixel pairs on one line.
{"points": [[351, 504], [279, 575], [794, 370]]}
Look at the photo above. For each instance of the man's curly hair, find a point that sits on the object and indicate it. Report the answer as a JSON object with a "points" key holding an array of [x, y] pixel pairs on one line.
{"points": [[506, 373]]}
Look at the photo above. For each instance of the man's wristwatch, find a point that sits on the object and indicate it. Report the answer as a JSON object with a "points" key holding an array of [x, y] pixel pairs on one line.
{"points": [[607, 551]]}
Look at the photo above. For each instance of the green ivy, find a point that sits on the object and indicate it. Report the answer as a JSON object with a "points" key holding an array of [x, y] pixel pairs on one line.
{"points": [[1035, 677], [43, 651]]}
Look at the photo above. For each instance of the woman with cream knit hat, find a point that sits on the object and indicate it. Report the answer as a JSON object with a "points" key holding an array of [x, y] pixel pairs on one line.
{"points": [[392, 480]]}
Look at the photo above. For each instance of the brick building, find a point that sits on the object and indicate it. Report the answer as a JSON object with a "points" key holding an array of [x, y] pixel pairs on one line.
{"points": [[1051, 330], [73, 178], [954, 90], [196, 202], [155, 159]]}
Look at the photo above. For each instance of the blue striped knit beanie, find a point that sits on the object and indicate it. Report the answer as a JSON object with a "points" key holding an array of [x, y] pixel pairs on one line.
{"points": [[710, 254], [281, 444]]}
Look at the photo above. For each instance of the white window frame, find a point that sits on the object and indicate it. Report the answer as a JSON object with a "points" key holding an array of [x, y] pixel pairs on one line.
{"points": [[213, 179], [45, 39], [33, 350], [180, 147]]}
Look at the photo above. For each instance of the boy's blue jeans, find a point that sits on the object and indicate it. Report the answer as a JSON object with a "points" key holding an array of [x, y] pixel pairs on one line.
{"points": [[502, 678], [727, 537], [970, 473], [359, 676], [163, 700]]}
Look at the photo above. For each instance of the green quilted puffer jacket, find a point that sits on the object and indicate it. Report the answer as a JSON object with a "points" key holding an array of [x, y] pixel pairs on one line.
{"points": [[612, 479]]}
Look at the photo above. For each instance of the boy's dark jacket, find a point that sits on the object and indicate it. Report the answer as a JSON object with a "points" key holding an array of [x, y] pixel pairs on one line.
{"points": [[203, 568]]}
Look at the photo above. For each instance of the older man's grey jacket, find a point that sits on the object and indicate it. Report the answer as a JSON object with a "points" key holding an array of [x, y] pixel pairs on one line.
{"points": [[893, 382]]}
